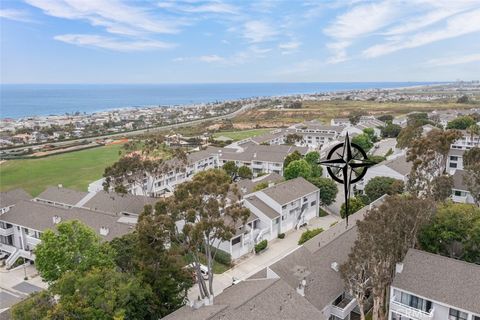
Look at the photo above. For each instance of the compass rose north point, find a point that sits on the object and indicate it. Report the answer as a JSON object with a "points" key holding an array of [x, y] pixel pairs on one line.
{"points": [[347, 163]]}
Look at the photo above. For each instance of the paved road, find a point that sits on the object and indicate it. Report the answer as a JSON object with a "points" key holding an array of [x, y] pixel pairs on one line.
{"points": [[253, 263], [137, 132]]}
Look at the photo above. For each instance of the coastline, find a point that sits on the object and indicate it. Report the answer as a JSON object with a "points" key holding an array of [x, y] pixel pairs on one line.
{"points": [[213, 101]]}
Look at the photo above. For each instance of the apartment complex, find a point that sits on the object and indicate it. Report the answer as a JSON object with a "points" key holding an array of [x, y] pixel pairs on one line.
{"points": [[314, 134], [276, 209], [109, 214], [431, 287]]}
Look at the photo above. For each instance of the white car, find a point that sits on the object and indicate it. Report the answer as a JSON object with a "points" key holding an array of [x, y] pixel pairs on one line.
{"points": [[203, 270]]}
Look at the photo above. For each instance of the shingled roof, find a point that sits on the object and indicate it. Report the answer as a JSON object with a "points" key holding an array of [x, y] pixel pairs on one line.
{"points": [[12, 197], [62, 195], [290, 190], [442, 279]]}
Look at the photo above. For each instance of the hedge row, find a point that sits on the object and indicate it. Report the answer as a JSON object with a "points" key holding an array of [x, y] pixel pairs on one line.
{"points": [[262, 245], [309, 234]]}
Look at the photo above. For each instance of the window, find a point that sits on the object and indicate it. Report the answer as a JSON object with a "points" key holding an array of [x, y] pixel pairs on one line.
{"points": [[236, 241], [313, 203], [284, 217], [456, 315], [453, 158], [453, 164]]}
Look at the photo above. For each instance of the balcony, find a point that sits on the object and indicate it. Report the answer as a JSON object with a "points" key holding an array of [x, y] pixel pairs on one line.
{"points": [[31, 241], [410, 312], [343, 307], [6, 232]]}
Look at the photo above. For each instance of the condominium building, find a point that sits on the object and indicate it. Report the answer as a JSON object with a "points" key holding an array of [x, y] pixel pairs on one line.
{"points": [[314, 134], [432, 287]]}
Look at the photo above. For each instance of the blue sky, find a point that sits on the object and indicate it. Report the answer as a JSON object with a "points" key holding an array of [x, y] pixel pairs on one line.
{"points": [[192, 41]]}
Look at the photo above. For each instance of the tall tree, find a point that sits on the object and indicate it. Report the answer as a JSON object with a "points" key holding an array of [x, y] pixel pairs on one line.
{"points": [[391, 130], [471, 162], [455, 232], [379, 186], [292, 138], [364, 141], [461, 123], [207, 217], [408, 135], [74, 247], [312, 158], [295, 155], [328, 190], [384, 237], [442, 187], [245, 172], [429, 156], [230, 168], [298, 168]]}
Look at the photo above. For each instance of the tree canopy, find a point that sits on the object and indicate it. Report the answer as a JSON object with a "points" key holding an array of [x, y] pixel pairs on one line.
{"points": [[455, 232], [328, 190], [230, 168], [471, 162], [461, 123], [354, 204], [379, 186], [73, 247], [391, 130], [295, 155], [364, 141], [245, 172], [298, 168]]}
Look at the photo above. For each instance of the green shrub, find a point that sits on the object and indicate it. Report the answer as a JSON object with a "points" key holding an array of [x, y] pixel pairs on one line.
{"points": [[262, 245], [322, 213], [281, 235], [333, 223], [223, 257], [309, 234]]}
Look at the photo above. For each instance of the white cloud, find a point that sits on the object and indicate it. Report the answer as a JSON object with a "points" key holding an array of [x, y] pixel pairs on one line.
{"points": [[211, 58], [114, 15], [15, 14], [454, 60], [86, 40], [289, 47], [258, 31], [211, 7], [455, 26]]}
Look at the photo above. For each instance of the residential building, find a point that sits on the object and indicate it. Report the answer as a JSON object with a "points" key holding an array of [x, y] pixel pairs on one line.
{"points": [[460, 192], [306, 284], [432, 287], [466, 142], [455, 160], [109, 214], [274, 137], [315, 134], [340, 122], [259, 158], [9, 198], [396, 168], [284, 206]]}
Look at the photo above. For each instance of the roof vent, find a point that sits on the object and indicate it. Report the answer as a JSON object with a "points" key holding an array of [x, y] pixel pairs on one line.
{"points": [[271, 184], [104, 231], [56, 219], [244, 190], [60, 185], [335, 266], [399, 267], [301, 287], [254, 154]]}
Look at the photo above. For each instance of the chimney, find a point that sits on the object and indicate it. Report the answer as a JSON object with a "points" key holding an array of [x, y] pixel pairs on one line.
{"points": [[56, 219], [399, 267], [301, 287], [104, 231], [335, 266]]}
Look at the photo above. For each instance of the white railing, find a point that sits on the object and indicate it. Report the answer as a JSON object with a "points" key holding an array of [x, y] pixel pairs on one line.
{"points": [[32, 241], [343, 312], [7, 248], [410, 312], [6, 232]]}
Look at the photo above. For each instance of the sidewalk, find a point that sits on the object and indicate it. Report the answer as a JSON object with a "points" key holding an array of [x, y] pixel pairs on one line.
{"points": [[252, 263]]}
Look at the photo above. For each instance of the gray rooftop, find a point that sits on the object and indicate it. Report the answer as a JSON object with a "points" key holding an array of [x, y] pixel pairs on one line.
{"points": [[315, 125], [118, 203], [266, 299], [12, 197], [268, 136], [456, 152], [263, 207], [202, 154], [39, 216], [248, 185], [62, 195], [442, 279], [275, 153], [290, 190], [399, 164], [459, 182]]}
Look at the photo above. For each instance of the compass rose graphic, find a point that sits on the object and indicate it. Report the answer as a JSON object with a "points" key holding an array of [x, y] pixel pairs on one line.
{"points": [[347, 163]]}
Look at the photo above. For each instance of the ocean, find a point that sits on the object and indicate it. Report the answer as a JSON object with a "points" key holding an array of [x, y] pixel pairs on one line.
{"points": [[17, 101]]}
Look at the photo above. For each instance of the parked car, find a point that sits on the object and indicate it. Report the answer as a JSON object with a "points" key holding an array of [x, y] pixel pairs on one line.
{"points": [[203, 271]]}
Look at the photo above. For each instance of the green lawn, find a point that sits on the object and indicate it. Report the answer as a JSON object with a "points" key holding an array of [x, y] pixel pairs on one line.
{"points": [[242, 134], [73, 170]]}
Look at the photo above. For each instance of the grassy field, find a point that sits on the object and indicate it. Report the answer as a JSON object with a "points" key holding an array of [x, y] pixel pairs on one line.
{"points": [[73, 170], [326, 110], [241, 134]]}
